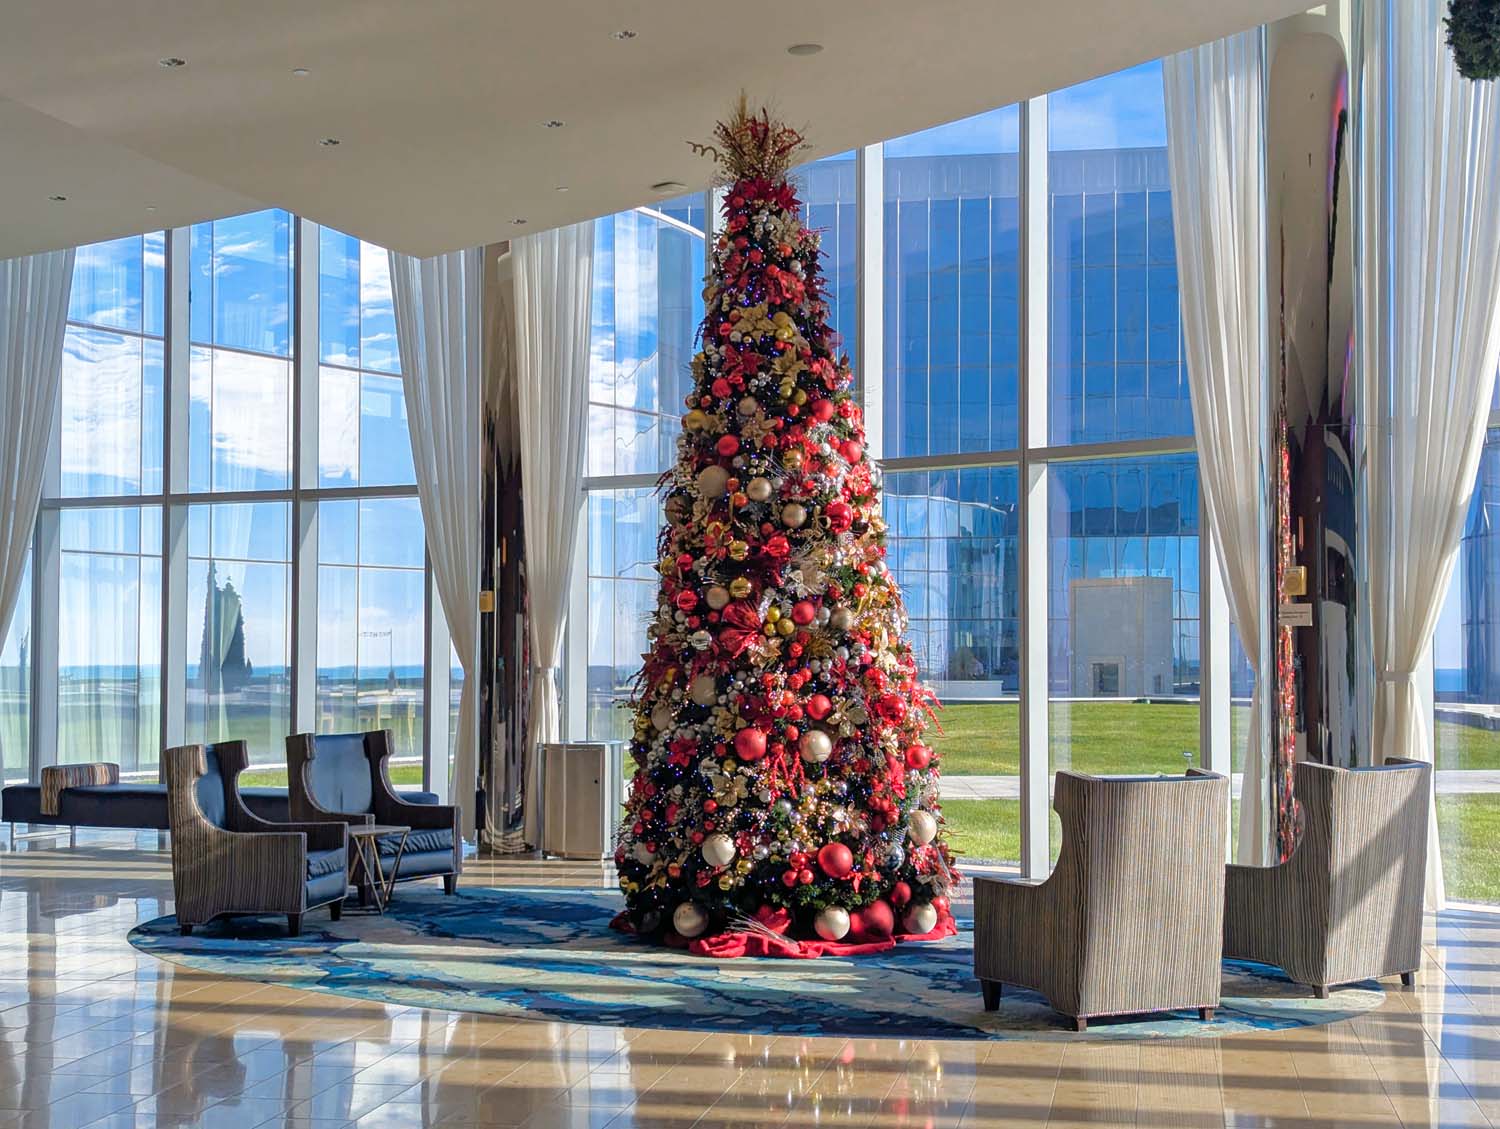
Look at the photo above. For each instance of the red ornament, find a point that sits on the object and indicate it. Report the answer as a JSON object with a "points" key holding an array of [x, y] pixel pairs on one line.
{"points": [[750, 743], [853, 449], [918, 757], [900, 894], [877, 919], [822, 410], [803, 612], [819, 707], [728, 445], [836, 860], [687, 600]]}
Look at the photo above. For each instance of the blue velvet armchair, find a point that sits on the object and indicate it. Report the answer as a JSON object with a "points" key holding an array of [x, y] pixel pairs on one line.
{"points": [[227, 860], [345, 777]]}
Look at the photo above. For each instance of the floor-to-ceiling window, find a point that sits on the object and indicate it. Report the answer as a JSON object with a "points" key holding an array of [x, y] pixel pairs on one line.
{"points": [[1054, 216], [230, 544]]}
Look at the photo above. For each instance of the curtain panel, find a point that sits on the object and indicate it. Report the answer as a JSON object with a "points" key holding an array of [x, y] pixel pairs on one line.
{"points": [[439, 331], [34, 293], [1215, 149], [553, 279], [1426, 192]]}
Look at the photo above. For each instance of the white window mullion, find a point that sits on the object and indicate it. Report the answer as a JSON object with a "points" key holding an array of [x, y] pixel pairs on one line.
{"points": [[304, 564]]}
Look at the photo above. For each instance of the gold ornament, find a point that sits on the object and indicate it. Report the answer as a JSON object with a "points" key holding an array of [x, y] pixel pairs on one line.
{"points": [[739, 587]]}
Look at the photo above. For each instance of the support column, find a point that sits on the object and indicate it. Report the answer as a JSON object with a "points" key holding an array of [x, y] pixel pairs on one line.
{"points": [[869, 275]]}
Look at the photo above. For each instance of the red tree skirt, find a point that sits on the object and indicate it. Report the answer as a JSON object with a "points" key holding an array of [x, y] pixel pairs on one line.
{"points": [[775, 942]]}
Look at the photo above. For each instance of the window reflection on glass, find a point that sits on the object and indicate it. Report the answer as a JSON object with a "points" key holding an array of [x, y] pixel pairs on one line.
{"points": [[1117, 370], [238, 626], [109, 637], [119, 284], [1466, 691], [646, 305], [622, 586], [953, 546], [241, 283], [239, 421], [1123, 585], [827, 189], [15, 685], [371, 620], [952, 287]]}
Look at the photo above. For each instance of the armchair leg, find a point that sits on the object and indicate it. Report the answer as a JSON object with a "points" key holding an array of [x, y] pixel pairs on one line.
{"points": [[450, 883], [1080, 1023], [294, 925], [364, 895], [1206, 1014], [185, 929], [1321, 991], [1408, 978], [335, 910], [991, 990]]}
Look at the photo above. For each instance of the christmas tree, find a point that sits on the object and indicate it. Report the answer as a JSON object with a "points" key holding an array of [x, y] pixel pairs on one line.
{"points": [[783, 787]]}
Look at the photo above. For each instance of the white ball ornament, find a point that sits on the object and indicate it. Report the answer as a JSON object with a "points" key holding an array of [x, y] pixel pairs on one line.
{"points": [[718, 850], [816, 746], [832, 923], [661, 718], [922, 828], [704, 690], [689, 920], [758, 489], [644, 854], [919, 919], [794, 515], [717, 597], [841, 619], [713, 480]]}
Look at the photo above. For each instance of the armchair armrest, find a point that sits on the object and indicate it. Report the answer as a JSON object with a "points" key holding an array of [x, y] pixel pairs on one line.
{"points": [[324, 835], [57, 778], [419, 817]]}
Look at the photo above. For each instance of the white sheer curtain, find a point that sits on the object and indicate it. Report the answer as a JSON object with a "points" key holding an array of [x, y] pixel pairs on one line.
{"points": [[438, 327], [553, 274], [34, 294], [1215, 149], [1427, 337]]}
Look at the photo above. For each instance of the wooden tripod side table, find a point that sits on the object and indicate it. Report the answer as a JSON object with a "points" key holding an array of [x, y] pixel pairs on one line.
{"points": [[365, 861]]}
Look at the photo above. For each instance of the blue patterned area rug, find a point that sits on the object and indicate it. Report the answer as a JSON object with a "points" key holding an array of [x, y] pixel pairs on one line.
{"points": [[550, 953]]}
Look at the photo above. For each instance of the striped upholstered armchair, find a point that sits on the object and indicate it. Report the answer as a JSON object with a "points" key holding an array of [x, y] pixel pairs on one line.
{"points": [[1130, 920], [226, 859], [1347, 904]]}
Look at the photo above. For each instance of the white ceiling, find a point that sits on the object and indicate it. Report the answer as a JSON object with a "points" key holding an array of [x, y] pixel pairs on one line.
{"points": [[438, 104]]}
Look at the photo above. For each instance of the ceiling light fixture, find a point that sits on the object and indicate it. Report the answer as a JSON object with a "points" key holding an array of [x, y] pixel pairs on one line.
{"points": [[328, 142], [171, 62], [300, 72], [668, 186], [518, 223], [623, 34], [57, 199], [801, 49], [150, 207], [553, 123], [562, 188]]}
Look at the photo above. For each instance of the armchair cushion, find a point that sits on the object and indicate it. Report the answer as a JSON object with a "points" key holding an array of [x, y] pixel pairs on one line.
{"points": [[325, 862], [419, 841], [338, 775]]}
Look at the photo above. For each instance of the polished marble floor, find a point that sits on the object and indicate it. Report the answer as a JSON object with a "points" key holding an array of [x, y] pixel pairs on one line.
{"points": [[95, 1034]]}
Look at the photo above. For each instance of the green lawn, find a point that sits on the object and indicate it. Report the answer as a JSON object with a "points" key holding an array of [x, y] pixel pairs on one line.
{"points": [[402, 775]]}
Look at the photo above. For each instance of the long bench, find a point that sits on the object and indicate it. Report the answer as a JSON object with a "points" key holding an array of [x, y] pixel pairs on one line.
{"points": [[93, 795]]}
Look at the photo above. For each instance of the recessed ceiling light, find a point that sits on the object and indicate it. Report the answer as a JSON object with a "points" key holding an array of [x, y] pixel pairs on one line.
{"points": [[562, 188], [554, 123], [623, 34], [518, 223], [668, 186], [301, 72], [57, 199], [150, 207], [171, 62], [328, 142], [804, 49]]}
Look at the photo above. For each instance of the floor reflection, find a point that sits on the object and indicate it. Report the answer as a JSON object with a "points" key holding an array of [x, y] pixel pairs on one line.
{"points": [[95, 1034]]}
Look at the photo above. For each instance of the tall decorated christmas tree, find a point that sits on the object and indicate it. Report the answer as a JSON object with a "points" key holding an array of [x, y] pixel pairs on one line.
{"points": [[783, 789]]}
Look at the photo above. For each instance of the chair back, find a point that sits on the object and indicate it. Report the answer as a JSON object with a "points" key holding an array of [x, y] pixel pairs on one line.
{"points": [[1362, 860], [1145, 858], [329, 772]]}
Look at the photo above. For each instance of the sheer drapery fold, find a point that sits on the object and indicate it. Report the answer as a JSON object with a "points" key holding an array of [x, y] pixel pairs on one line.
{"points": [[1426, 191], [439, 331], [1215, 148], [34, 294], [553, 278]]}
